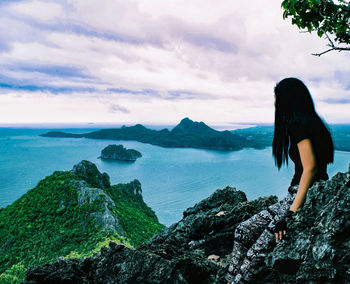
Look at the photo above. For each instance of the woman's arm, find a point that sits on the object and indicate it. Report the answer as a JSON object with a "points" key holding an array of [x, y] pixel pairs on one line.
{"points": [[308, 161]]}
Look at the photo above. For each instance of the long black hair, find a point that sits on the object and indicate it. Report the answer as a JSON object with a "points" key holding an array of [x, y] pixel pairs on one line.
{"points": [[294, 105]]}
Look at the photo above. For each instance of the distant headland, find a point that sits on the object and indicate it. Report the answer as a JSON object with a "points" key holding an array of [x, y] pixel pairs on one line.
{"points": [[187, 134]]}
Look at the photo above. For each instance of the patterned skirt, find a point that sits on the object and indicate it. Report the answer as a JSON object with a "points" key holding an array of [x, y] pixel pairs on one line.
{"points": [[254, 238]]}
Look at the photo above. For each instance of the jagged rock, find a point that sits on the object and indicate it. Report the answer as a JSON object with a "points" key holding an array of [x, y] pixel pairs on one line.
{"points": [[103, 215], [61, 271], [179, 254], [89, 172], [90, 189], [134, 187], [228, 194], [315, 251]]}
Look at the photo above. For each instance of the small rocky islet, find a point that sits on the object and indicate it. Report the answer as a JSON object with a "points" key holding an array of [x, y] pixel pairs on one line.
{"points": [[119, 153], [197, 249]]}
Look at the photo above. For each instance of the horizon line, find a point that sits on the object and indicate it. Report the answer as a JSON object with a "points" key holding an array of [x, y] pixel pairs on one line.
{"points": [[99, 124]]}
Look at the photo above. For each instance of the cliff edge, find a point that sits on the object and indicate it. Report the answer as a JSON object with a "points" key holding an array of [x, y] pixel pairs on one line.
{"points": [[71, 214], [197, 249]]}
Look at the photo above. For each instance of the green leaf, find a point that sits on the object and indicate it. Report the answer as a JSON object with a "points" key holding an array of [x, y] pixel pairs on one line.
{"points": [[309, 28], [320, 33]]}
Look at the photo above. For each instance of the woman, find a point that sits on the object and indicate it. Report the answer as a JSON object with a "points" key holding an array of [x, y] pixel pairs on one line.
{"points": [[299, 132]]}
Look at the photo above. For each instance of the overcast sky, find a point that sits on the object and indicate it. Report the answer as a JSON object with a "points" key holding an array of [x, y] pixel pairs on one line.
{"points": [[158, 61]]}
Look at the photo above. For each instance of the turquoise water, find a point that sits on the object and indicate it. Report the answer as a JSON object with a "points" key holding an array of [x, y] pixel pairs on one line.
{"points": [[172, 179]]}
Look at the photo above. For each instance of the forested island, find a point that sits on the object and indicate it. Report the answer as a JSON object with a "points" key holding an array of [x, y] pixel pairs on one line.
{"points": [[191, 134], [119, 153], [187, 134]]}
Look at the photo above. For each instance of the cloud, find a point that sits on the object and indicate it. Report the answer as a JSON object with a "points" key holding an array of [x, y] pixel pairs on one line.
{"points": [[53, 79], [52, 90], [114, 108], [188, 95], [337, 100], [160, 60], [147, 92], [42, 10], [52, 70]]}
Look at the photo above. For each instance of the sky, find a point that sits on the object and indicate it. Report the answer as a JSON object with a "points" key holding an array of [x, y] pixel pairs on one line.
{"points": [[158, 61]]}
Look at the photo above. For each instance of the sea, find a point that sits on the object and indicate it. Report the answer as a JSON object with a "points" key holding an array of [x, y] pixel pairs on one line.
{"points": [[172, 179]]}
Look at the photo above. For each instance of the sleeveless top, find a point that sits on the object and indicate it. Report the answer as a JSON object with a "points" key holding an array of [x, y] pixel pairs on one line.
{"points": [[320, 141]]}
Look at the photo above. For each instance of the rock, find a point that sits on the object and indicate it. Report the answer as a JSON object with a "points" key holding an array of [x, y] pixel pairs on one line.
{"points": [[228, 194], [89, 172], [134, 187], [197, 249], [317, 247], [61, 271], [118, 152], [90, 190], [102, 214], [176, 255], [213, 257], [221, 213]]}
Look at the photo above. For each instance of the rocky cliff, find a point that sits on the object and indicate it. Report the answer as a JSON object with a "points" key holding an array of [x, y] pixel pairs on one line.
{"points": [[198, 247], [71, 214]]}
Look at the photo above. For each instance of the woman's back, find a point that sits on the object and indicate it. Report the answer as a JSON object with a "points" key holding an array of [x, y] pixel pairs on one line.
{"points": [[321, 142]]}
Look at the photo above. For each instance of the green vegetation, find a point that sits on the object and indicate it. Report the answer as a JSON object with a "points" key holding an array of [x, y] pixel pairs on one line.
{"points": [[137, 219], [48, 222], [326, 18], [15, 274]]}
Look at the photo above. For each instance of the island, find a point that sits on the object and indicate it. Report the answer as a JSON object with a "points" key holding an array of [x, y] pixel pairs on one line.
{"points": [[263, 134], [187, 134], [118, 152]]}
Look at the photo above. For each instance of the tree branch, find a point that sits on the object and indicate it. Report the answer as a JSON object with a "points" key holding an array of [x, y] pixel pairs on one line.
{"points": [[332, 47]]}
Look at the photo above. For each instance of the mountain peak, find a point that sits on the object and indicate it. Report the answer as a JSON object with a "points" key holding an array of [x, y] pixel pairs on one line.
{"points": [[139, 126], [89, 172], [186, 120], [188, 125]]}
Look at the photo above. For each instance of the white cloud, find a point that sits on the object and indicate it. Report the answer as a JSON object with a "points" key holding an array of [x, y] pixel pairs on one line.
{"points": [[42, 10], [224, 57]]}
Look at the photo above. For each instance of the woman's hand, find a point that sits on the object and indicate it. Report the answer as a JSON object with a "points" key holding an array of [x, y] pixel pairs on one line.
{"points": [[280, 229], [308, 161], [281, 226]]}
